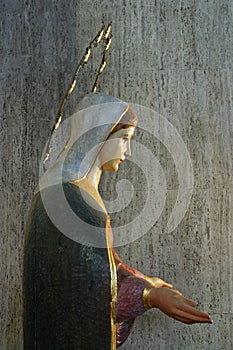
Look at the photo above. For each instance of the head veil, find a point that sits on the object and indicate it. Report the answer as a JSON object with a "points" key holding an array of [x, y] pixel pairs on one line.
{"points": [[93, 120]]}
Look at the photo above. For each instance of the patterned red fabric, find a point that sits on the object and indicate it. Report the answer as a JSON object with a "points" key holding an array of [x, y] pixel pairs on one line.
{"points": [[129, 298]]}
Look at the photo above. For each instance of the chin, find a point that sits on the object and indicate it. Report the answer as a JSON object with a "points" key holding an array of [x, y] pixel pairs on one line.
{"points": [[110, 167]]}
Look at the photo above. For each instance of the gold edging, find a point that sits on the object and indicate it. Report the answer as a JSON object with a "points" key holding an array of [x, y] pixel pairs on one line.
{"points": [[145, 294], [113, 275], [85, 185]]}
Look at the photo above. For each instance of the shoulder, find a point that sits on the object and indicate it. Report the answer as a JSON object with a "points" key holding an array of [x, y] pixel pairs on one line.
{"points": [[83, 204], [65, 207]]}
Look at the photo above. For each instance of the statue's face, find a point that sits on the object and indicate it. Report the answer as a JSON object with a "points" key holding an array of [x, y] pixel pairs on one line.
{"points": [[116, 149]]}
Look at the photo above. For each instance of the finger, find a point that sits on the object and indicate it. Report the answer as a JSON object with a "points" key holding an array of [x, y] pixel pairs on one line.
{"points": [[187, 320], [183, 320], [178, 292], [194, 316], [191, 302], [159, 283], [168, 285], [186, 300], [191, 309], [191, 321]]}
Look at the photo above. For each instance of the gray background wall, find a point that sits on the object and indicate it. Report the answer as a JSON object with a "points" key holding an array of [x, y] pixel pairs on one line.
{"points": [[173, 56]]}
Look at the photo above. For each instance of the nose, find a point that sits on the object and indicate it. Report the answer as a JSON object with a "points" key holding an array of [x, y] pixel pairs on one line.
{"points": [[128, 150]]}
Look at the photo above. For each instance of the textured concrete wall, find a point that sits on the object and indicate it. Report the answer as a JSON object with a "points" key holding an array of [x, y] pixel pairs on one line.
{"points": [[173, 56]]}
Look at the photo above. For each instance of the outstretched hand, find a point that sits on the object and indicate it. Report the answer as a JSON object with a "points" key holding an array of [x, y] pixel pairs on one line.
{"points": [[175, 305]]}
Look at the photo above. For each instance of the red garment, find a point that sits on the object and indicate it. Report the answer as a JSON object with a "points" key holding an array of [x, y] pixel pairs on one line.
{"points": [[130, 286], [129, 298]]}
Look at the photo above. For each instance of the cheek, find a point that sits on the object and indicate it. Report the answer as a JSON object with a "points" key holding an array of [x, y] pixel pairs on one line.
{"points": [[121, 146], [116, 148]]}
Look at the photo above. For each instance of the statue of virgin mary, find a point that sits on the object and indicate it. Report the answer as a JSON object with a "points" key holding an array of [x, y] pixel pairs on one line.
{"points": [[78, 293]]}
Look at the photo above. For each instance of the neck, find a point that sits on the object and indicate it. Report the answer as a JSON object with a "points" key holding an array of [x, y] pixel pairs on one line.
{"points": [[94, 176]]}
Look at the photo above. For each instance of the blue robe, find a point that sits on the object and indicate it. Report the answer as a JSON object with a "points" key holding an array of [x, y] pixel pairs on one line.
{"points": [[67, 285]]}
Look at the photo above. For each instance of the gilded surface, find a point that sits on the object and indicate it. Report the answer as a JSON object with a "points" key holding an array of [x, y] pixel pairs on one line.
{"points": [[113, 282]]}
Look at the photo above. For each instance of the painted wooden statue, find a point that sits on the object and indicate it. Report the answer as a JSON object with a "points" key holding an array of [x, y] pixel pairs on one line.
{"points": [[78, 293]]}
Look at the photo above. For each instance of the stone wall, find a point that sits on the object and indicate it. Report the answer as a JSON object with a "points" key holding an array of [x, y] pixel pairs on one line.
{"points": [[172, 56]]}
